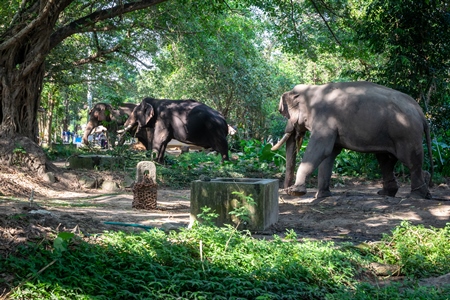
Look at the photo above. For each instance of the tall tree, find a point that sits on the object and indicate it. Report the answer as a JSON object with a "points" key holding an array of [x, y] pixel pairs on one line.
{"points": [[35, 28]]}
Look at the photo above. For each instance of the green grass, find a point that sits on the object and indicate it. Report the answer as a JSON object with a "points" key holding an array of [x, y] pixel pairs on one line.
{"points": [[219, 263]]}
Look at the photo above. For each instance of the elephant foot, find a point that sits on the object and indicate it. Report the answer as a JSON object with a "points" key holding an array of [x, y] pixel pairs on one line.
{"points": [[323, 194], [390, 188], [421, 192], [387, 192], [297, 190]]}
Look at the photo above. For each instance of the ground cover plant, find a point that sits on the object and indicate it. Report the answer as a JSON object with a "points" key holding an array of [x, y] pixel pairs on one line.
{"points": [[207, 262]]}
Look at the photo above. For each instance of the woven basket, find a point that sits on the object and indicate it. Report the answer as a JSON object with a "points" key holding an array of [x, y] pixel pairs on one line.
{"points": [[144, 194]]}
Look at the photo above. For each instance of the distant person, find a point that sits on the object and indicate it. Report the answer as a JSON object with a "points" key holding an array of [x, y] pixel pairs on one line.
{"points": [[65, 137], [102, 138]]}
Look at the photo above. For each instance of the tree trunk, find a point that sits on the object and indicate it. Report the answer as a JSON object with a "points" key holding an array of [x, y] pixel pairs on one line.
{"points": [[22, 54], [51, 107]]}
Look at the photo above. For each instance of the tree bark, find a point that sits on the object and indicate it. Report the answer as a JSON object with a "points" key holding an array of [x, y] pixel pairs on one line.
{"points": [[23, 49]]}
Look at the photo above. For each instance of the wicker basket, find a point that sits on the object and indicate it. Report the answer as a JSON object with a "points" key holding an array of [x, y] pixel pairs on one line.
{"points": [[144, 194]]}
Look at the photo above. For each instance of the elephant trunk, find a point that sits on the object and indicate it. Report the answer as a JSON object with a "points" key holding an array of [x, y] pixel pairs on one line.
{"points": [[89, 127], [282, 141], [122, 133]]}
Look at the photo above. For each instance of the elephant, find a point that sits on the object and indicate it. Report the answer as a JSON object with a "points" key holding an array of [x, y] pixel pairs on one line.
{"points": [[104, 114], [359, 116], [187, 121]]}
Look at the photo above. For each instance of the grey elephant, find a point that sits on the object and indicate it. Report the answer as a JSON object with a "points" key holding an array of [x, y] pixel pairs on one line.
{"points": [[359, 116], [187, 121], [111, 118]]}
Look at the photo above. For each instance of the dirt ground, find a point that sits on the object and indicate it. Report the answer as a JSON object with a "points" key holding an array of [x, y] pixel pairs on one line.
{"points": [[354, 213]]}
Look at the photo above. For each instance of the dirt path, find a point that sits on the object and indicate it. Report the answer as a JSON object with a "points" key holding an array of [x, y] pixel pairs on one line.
{"points": [[359, 214], [354, 213]]}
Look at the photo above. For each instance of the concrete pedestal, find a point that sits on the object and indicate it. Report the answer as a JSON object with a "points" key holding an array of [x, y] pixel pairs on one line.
{"points": [[217, 194]]}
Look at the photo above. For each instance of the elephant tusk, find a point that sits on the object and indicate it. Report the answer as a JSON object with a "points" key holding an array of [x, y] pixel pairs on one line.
{"points": [[282, 141], [125, 129]]}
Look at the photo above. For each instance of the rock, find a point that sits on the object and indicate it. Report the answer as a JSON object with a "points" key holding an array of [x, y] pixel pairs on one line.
{"points": [[89, 182], [204, 178], [443, 186], [40, 212], [436, 281], [110, 186], [127, 181], [49, 177], [167, 227], [385, 269]]}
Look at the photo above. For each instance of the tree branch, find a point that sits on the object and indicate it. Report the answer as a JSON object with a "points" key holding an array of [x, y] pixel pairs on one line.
{"points": [[140, 61], [19, 12], [294, 23], [97, 55], [22, 33], [326, 23], [97, 16]]}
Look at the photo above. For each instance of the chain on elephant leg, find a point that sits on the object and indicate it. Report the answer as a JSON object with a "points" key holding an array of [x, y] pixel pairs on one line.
{"points": [[421, 192], [427, 178]]}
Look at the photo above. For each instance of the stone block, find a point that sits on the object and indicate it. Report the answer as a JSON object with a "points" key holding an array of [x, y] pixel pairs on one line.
{"points": [[217, 194]]}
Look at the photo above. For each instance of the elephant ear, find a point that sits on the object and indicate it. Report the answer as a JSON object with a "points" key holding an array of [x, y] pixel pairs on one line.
{"points": [[283, 107], [102, 112], [146, 113]]}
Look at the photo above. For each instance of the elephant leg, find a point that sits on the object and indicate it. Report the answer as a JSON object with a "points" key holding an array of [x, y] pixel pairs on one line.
{"points": [[387, 163], [317, 150], [413, 159], [419, 183], [161, 152], [291, 157], [325, 171], [222, 147], [160, 140]]}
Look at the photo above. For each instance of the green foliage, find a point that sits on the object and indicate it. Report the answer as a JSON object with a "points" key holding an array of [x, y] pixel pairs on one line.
{"points": [[207, 216], [419, 251], [19, 150], [208, 262], [261, 154], [355, 164], [61, 242], [241, 212], [61, 151], [441, 155]]}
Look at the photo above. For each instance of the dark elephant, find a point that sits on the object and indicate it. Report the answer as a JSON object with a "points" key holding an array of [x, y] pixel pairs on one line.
{"points": [[359, 116], [187, 121], [111, 118]]}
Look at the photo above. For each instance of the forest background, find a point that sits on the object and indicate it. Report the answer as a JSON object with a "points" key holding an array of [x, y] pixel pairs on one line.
{"points": [[57, 58]]}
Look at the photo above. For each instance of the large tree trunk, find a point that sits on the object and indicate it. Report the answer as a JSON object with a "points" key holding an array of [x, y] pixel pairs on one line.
{"points": [[22, 54]]}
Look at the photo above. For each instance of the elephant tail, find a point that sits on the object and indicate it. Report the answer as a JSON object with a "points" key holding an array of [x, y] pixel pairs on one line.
{"points": [[430, 152]]}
